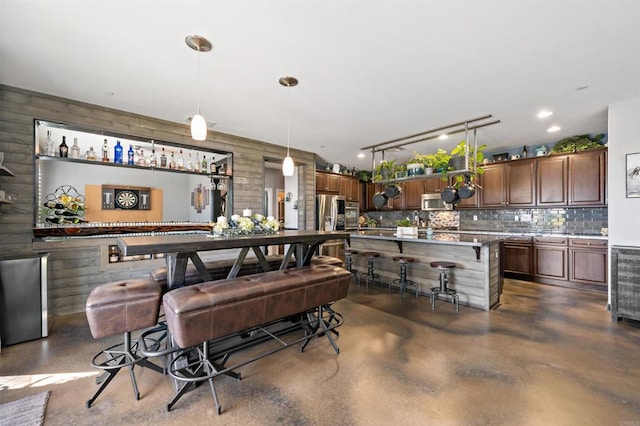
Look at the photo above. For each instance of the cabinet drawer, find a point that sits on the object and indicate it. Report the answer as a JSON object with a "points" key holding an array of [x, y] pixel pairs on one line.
{"points": [[583, 242], [550, 241], [518, 240]]}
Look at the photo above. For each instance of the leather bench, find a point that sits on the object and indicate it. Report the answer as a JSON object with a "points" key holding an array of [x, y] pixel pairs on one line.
{"points": [[326, 260], [201, 313], [219, 269]]}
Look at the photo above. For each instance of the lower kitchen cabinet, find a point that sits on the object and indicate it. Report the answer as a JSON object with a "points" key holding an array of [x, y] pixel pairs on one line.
{"points": [[588, 261], [517, 256], [550, 258]]}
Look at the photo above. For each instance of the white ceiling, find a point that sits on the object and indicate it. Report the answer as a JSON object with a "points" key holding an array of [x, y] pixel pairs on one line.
{"points": [[369, 71]]}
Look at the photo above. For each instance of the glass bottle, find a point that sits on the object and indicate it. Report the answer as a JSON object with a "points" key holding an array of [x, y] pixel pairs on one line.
{"points": [[64, 149], [196, 165], [75, 149], [204, 168], [50, 147], [524, 152], [131, 156], [163, 159], [105, 152], [117, 153], [141, 157], [153, 161], [181, 161], [212, 166], [91, 154], [172, 163], [189, 163], [222, 170]]}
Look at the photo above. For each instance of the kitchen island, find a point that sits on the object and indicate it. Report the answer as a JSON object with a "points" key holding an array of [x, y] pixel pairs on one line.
{"points": [[478, 274]]}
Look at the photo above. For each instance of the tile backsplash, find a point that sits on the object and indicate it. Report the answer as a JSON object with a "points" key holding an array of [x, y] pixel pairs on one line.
{"points": [[586, 220]]}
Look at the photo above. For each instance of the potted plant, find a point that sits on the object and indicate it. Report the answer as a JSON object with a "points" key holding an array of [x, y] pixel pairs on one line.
{"points": [[406, 228], [440, 161], [386, 169], [364, 175], [416, 164], [458, 155], [400, 171]]}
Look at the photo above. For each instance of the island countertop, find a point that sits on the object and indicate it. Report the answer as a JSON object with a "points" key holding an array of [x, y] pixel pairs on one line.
{"points": [[463, 239]]}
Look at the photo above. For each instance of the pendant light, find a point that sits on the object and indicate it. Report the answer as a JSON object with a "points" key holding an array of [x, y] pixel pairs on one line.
{"points": [[198, 123], [287, 165]]}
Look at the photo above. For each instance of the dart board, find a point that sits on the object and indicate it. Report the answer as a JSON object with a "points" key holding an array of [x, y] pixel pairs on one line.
{"points": [[126, 199]]}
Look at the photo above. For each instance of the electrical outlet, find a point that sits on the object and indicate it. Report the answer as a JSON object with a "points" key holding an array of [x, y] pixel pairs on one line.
{"points": [[516, 218], [475, 218], [380, 217], [525, 217]]}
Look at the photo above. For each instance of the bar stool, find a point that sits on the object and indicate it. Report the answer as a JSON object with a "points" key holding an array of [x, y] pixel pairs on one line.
{"points": [[348, 254], [443, 267], [403, 282], [120, 308], [371, 275]]}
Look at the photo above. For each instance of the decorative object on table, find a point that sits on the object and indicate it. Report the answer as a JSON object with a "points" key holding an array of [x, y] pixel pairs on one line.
{"points": [[578, 143], [406, 228], [238, 225], [64, 205], [541, 151], [200, 198], [633, 175], [516, 157]]}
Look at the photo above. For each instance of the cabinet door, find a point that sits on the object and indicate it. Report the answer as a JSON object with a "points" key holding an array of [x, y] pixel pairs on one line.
{"points": [[413, 191], [587, 179], [368, 191], [469, 203], [551, 177], [345, 188], [327, 183], [398, 203], [333, 183], [354, 189], [520, 189], [588, 266], [493, 185], [433, 185], [517, 259], [550, 262]]}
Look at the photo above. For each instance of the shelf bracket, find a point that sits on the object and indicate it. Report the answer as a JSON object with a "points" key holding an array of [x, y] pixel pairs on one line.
{"points": [[399, 245], [477, 250]]}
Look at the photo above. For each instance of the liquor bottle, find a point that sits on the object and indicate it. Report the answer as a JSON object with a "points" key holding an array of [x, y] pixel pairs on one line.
{"points": [[196, 165], [75, 149], [181, 161], [91, 154], [172, 163], [117, 153], [51, 146], [105, 152], [222, 170], [141, 158], [163, 159], [212, 166], [524, 152], [153, 161], [204, 168], [189, 163], [64, 149], [130, 156]]}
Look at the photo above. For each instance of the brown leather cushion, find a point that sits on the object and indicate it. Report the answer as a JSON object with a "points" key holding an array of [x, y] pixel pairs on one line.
{"points": [[207, 311], [326, 260], [219, 269], [123, 306]]}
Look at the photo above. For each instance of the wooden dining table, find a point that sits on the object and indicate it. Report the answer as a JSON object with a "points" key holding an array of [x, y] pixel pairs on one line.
{"points": [[178, 249]]}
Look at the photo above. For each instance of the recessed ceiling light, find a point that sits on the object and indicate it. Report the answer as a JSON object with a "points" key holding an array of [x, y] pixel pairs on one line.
{"points": [[443, 136], [553, 129], [361, 155], [545, 114], [109, 93]]}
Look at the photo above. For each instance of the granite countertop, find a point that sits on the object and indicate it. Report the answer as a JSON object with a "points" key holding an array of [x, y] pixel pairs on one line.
{"points": [[473, 240], [505, 234]]}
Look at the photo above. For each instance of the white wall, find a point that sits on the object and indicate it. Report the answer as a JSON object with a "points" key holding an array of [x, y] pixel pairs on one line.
{"points": [[291, 213], [624, 138]]}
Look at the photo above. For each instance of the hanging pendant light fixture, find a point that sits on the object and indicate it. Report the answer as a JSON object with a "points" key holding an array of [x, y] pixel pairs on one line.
{"points": [[287, 165], [198, 124]]}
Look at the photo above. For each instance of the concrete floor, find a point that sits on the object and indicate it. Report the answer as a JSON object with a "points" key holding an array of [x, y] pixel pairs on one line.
{"points": [[546, 356]]}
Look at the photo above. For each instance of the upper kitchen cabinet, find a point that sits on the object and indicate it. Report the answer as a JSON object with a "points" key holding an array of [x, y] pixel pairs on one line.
{"points": [[572, 180], [350, 188], [413, 191], [327, 183], [508, 184]]}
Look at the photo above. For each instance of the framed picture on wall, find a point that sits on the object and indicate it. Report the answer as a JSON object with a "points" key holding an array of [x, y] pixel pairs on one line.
{"points": [[633, 175]]}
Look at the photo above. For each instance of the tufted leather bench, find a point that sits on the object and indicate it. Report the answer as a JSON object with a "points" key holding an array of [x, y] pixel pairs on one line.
{"points": [[201, 313], [326, 260], [219, 269], [122, 307]]}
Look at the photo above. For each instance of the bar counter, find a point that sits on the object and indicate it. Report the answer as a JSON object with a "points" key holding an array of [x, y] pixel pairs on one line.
{"points": [[477, 277]]}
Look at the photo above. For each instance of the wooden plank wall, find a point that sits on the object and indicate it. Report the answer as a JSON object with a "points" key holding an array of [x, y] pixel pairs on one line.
{"points": [[77, 267], [471, 277]]}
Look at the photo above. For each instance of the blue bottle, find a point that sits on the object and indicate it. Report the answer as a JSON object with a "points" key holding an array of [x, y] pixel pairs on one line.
{"points": [[130, 159], [117, 157]]}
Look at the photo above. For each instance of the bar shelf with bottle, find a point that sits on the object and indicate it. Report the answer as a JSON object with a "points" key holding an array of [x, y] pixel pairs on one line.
{"points": [[117, 188]]}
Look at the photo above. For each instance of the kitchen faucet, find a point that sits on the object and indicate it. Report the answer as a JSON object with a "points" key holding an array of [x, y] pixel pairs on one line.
{"points": [[416, 218]]}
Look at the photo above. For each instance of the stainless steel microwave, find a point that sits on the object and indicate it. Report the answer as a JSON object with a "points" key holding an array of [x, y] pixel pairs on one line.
{"points": [[433, 201]]}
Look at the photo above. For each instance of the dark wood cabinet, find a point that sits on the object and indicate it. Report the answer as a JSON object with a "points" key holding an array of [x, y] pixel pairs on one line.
{"points": [[350, 188], [413, 191], [588, 261], [572, 180], [434, 185], [518, 256], [550, 258], [327, 183], [508, 184], [368, 191]]}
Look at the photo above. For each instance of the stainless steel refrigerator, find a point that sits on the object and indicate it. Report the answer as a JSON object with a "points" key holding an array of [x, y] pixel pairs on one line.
{"points": [[330, 216]]}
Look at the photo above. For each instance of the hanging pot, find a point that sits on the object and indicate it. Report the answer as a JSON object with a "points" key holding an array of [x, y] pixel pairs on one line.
{"points": [[467, 190], [392, 191], [449, 195], [379, 200]]}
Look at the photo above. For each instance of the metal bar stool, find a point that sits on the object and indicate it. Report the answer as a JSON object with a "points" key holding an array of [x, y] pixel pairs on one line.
{"points": [[371, 275], [348, 254], [403, 282], [443, 268]]}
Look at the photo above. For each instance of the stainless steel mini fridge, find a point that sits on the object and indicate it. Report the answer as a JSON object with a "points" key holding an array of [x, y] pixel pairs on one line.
{"points": [[23, 298]]}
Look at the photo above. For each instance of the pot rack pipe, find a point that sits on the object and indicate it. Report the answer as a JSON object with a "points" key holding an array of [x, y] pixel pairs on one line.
{"points": [[466, 122]]}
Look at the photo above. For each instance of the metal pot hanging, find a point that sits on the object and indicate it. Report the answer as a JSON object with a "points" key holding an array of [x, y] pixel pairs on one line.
{"points": [[450, 195], [468, 189], [392, 191], [379, 200]]}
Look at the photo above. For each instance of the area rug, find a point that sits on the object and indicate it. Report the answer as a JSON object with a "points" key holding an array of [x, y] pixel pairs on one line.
{"points": [[26, 411]]}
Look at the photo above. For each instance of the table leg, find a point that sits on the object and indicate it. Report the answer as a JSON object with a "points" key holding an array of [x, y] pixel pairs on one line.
{"points": [[261, 259], [197, 262], [238, 263], [176, 269]]}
